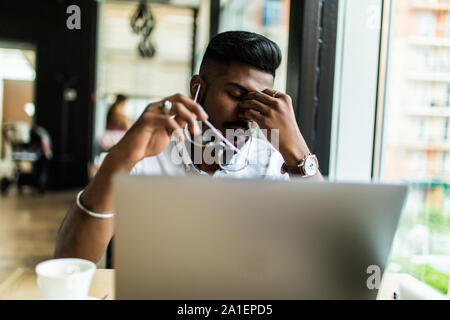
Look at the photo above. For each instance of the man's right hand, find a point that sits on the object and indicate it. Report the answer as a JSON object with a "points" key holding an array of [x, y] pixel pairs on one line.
{"points": [[86, 237], [152, 132]]}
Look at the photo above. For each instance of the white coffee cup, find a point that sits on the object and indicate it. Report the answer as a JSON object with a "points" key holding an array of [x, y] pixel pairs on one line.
{"points": [[65, 279]]}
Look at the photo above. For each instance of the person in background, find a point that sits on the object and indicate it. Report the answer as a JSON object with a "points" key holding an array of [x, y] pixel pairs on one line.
{"points": [[117, 123]]}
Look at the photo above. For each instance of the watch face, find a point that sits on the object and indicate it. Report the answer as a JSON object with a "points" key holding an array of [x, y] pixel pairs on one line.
{"points": [[311, 166]]}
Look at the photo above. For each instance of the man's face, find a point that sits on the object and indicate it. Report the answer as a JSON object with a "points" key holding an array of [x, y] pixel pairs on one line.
{"points": [[224, 93]]}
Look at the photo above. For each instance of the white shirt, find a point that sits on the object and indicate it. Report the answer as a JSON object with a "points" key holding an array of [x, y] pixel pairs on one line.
{"points": [[264, 162]]}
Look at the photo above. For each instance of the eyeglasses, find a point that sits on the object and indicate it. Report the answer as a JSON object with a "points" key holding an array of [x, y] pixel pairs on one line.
{"points": [[228, 156], [228, 159], [231, 161]]}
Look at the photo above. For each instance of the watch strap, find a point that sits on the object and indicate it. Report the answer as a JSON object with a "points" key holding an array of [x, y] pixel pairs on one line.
{"points": [[298, 169]]}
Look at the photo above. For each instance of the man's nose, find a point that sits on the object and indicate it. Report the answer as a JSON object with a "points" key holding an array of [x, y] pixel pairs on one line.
{"points": [[238, 107]]}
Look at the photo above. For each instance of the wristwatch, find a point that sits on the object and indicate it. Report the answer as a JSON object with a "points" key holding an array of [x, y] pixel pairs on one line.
{"points": [[307, 167]]}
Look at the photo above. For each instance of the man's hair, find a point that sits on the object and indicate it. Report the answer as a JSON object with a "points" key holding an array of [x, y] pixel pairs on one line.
{"points": [[245, 47]]}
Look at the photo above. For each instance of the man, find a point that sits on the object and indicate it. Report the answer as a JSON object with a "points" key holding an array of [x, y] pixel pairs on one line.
{"points": [[235, 88]]}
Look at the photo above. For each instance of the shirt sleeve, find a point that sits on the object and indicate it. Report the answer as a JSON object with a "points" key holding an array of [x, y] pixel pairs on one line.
{"points": [[275, 163], [134, 171]]}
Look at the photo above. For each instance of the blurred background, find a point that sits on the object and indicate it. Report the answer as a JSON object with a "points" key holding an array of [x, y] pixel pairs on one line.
{"points": [[369, 79]]}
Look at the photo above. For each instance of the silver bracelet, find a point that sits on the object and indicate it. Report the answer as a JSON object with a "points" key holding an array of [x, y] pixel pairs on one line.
{"points": [[92, 214]]}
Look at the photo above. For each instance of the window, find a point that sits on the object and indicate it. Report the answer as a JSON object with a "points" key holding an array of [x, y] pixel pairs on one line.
{"points": [[443, 162], [446, 130], [426, 24], [416, 162], [422, 243], [447, 103], [421, 97], [419, 129], [403, 127], [447, 25]]}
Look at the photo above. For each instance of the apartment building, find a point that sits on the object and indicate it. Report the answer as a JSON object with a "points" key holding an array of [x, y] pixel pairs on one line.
{"points": [[417, 121]]}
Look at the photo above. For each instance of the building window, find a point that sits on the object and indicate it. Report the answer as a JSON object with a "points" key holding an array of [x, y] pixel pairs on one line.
{"points": [[447, 25], [447, 103], [422, 242], [426, 24], [446, 130], [418, 129], [272, 12]]}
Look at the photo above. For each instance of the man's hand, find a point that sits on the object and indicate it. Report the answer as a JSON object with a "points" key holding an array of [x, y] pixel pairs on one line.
{"points": [[86, 237], [152, 132], [273, 110]]}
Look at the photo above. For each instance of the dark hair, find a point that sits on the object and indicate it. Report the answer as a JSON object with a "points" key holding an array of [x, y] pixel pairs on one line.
{"points": [[120, 98], [246, 47]]}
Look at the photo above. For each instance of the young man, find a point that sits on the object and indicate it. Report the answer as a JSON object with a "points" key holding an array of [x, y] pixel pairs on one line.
{"points": [[235, 88]]}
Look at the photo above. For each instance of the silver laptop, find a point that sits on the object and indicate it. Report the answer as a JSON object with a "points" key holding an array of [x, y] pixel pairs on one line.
{"points": [[202, 238]]}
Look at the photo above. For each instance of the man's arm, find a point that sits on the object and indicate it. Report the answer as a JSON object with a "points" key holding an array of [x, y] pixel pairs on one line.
{"points": [[273, 110], [83, 236]]}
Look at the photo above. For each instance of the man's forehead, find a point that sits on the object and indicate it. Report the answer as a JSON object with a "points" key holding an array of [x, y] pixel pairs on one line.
{"points": [[245, 76]]}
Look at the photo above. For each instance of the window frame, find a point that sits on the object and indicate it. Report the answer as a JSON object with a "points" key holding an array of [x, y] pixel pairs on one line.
{"points": [[311, 68], [361, 65]]}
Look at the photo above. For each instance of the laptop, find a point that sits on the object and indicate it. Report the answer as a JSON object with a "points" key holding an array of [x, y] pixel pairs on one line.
{"points": [[198, 238]]}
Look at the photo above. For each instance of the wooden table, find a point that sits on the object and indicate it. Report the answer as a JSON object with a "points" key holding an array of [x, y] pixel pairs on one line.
{"points": [[21, 285]]}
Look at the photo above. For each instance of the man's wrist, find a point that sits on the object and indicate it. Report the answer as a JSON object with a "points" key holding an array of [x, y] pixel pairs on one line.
{"points": [[293, 156], [97, 196], [114, 162]]}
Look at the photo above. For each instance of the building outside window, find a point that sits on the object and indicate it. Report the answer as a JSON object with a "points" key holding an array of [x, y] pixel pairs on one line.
{"points": [[419, 37], [447, 103]]}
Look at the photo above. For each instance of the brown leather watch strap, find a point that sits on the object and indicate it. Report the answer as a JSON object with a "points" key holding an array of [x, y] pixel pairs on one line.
{"points": [[292, 170]]}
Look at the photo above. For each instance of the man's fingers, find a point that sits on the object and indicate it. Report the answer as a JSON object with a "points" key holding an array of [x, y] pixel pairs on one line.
{"points": [[183, 111], [154, 121], [251, 114], [192, 106], [180, 122], [261, 97], [186, 116], [172, 127], [177, 99], [277, 94], [256, 105], [269, 97]]}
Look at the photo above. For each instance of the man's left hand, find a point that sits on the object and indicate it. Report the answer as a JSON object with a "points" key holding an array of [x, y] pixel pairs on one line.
{"points": [[271, 109]]}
